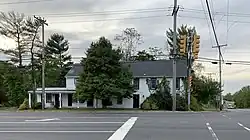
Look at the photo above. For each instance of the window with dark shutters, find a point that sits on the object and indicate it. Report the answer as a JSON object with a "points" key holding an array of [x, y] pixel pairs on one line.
{"points": [[153, 83], [136, 83]]}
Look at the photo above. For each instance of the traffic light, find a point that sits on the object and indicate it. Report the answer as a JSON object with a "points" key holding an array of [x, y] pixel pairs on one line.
{"points": [[190, 80], [183, 45], [196, 46]]}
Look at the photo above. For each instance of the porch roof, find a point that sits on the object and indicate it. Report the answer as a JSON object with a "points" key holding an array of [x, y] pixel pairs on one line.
{"points": [[54, 90]]}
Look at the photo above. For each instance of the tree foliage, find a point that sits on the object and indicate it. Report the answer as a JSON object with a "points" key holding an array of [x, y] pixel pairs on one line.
{"points": [[58, 59], [144, 56], [204, 89], [15, 86], [242, 97], [162, 99], [103, 76], [228, 97], [12, 26], [182, 30], [129, 41]]}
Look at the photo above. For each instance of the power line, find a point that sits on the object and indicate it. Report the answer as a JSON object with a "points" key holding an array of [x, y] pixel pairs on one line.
{"points": [[238, 14], [135, 18], [209, 30], [125, 11], [211, 20], [111, 19], [23, 2]]}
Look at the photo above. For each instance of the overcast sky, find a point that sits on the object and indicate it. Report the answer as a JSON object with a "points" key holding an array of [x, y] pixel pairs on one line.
{"points": [[88, 26]]}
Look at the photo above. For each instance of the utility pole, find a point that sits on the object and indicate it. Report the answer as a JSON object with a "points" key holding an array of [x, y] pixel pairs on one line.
{"points": [[220, 81], [174, 14], [43, 22], [189, 65]]}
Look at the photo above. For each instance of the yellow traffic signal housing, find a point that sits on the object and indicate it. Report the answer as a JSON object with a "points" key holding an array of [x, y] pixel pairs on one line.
{"points": [[190, 80], [196, 46], [183, 45]]}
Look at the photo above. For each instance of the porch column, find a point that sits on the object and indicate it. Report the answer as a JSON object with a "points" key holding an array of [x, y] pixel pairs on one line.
{"points": [[60, 100], [30, 100]]}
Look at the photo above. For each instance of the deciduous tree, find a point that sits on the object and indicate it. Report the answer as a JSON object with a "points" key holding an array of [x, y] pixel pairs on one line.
{"points": [[129, 41], [242, 97]]}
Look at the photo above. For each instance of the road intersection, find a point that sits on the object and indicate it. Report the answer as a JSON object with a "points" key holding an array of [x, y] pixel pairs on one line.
{"points": [[125, 125]]}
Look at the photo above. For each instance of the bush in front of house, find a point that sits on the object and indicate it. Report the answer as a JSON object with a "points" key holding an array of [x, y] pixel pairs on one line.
{"points": [[24, 105], [181, 103], [149, 104], [38, 105], [194, 105]]}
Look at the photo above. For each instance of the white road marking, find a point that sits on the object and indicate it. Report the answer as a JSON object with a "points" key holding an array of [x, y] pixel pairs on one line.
{"points": [[248, 129], [57, 131], [123, 130], [43, 120], [95, 117], [33, 122], [211, 131], [226, 116]]}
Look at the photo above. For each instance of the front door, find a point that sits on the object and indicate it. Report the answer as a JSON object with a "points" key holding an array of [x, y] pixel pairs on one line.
{"points": [[57, 102], [136, 101], [90, 103], [70, 99]]}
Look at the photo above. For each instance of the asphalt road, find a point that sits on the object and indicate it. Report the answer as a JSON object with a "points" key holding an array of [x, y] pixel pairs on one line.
{"points": [[231, 125]]}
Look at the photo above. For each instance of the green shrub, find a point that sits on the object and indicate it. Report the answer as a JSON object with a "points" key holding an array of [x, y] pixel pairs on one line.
{"points": [[24, 105], [181, 103], [194, 105], [149, 104], [38, 105]]}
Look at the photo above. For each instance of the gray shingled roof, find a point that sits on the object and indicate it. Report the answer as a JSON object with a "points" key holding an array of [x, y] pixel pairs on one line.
{"points": [[157, 68]]}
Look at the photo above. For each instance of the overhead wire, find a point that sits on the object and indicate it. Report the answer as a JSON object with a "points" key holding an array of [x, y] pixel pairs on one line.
{"points": [[144, 10], [227, 21], [24, 2], [111, 19], [209, 29]]}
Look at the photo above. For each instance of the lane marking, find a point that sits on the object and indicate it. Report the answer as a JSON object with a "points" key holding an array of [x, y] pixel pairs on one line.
{"points": [[33, 122], [226, 116], [212, 131], [57, 131], [248, 129], [41, 117], [43, 120], [123, 130]]}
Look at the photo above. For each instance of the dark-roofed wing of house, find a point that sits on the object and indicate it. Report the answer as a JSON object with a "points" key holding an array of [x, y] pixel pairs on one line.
{"points": [[157, 68]]}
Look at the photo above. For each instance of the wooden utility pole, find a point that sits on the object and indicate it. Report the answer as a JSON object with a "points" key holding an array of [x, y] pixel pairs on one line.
{"points": [[220, 71], [43, 22], [175, 11]]}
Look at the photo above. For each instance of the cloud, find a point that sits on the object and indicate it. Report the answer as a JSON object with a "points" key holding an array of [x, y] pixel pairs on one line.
{"points": [[82, 30]]}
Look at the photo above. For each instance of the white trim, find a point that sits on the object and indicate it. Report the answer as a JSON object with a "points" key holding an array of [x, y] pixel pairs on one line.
{"points": [[60, 100], [30, 100], [71, 76], [146, 76], [54, 91]]}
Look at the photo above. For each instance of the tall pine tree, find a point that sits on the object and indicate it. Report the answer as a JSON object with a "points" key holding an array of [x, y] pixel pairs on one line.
{"points": [[58, 60], [103, 76]]}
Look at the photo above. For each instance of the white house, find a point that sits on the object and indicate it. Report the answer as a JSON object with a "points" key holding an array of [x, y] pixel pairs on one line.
{"points": [[142, 70]]}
